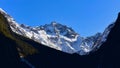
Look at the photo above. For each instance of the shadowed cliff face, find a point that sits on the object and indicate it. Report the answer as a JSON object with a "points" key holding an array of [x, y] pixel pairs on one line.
{"points": [[108, 56], [110, 50]]}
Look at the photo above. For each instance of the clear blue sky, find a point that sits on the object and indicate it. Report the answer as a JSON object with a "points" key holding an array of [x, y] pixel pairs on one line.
{"points": [[85, 16]]}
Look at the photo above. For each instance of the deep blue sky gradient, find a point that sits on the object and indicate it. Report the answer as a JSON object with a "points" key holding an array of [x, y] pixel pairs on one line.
{"points": [[85, 16]]}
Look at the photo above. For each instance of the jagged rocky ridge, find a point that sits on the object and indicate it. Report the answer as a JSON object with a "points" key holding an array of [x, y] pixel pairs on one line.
{"points": [[59, 36]]}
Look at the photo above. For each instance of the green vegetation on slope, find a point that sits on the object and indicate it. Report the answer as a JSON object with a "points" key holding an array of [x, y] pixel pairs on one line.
{"points": [[23, 47]]}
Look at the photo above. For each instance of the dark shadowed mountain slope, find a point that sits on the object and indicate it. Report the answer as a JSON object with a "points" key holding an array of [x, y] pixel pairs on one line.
{"points": [[9, 56], [12, 46], [110, 50], [8, 53], [9, 45]]}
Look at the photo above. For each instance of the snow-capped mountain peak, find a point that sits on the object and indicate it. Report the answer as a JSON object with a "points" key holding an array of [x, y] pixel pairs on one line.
{"points": [[60, 37]]}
